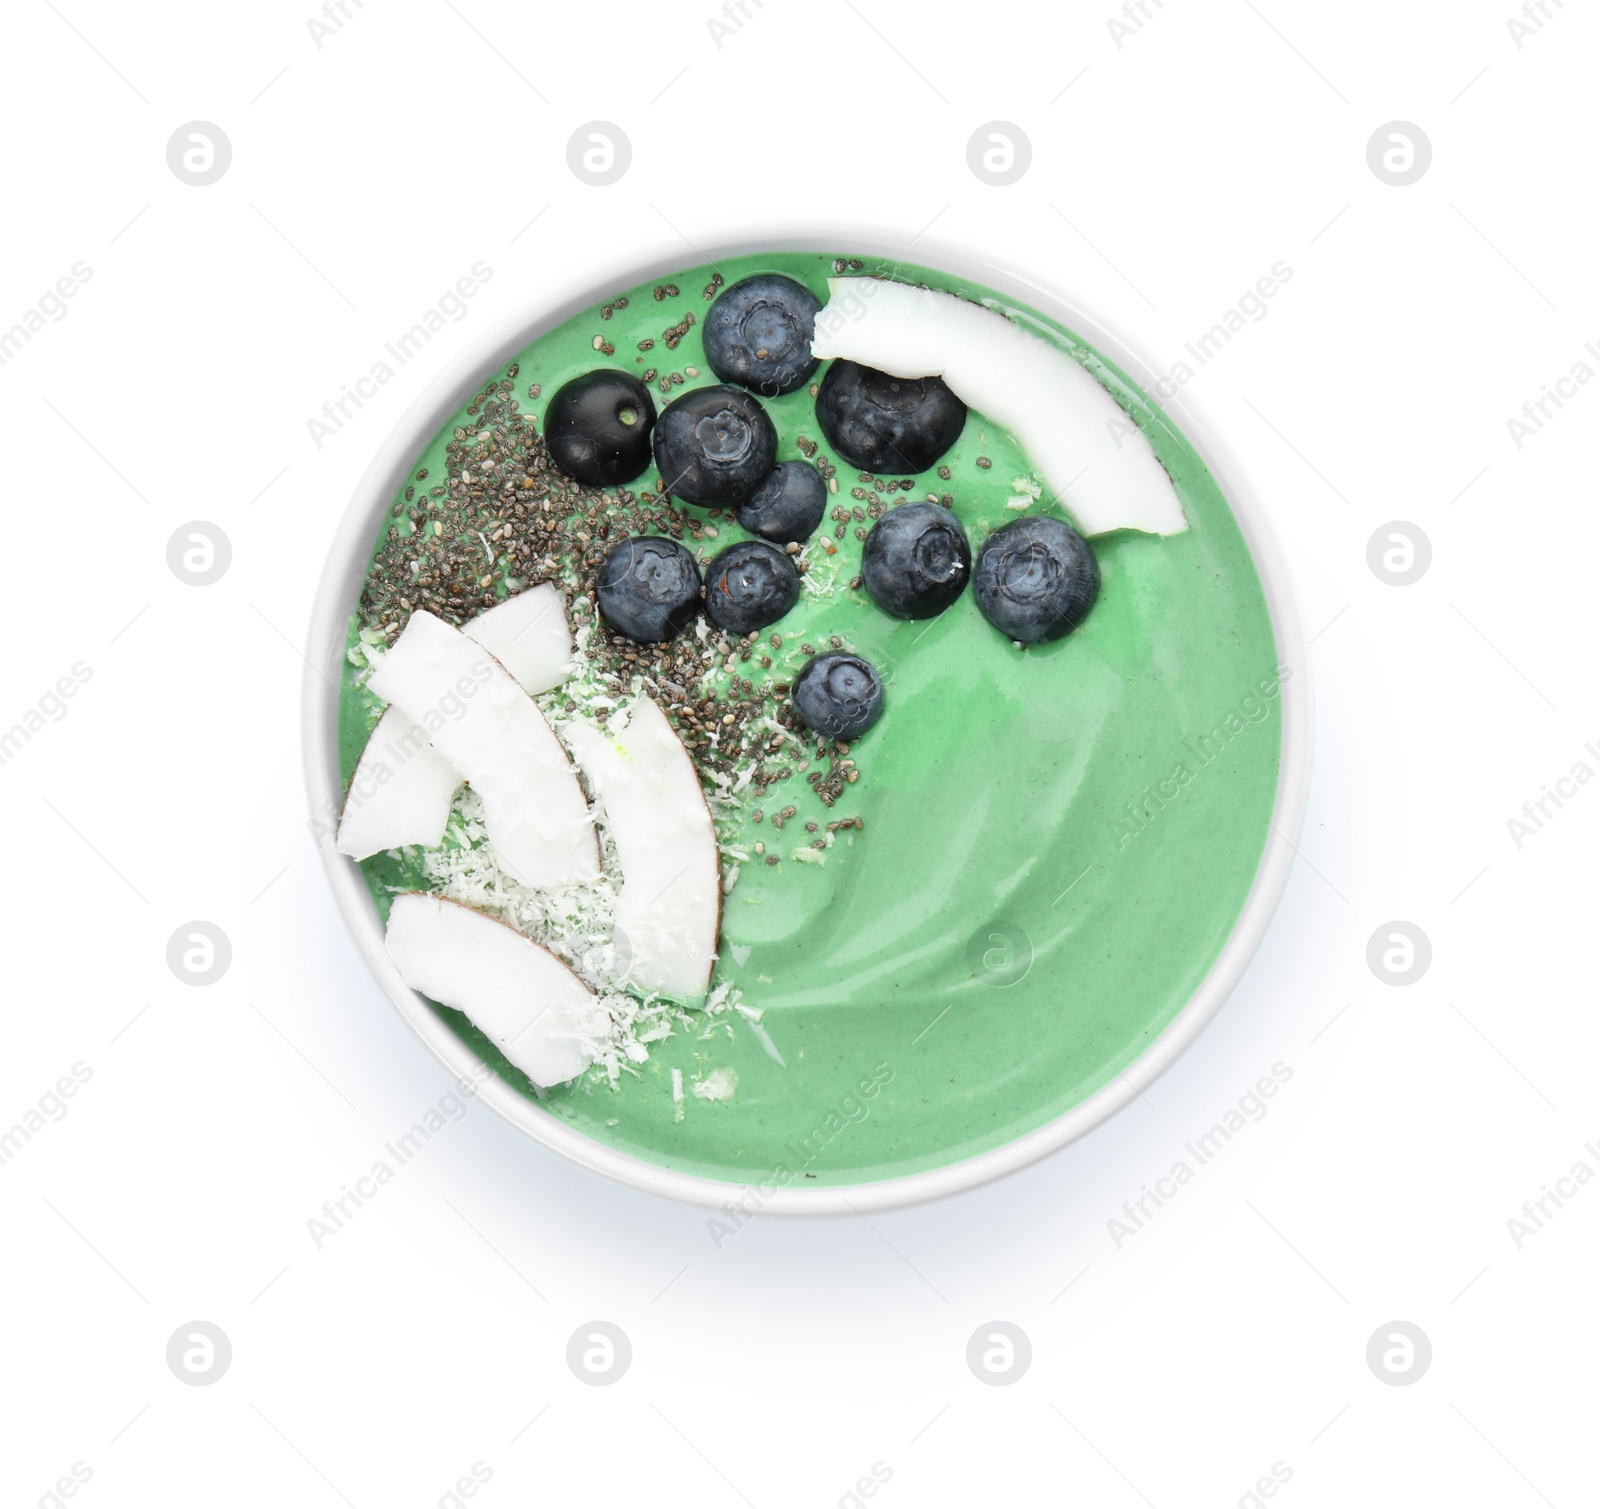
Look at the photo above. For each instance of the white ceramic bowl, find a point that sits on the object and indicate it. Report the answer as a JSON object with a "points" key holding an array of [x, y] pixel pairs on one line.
{"points": [[341, 586]]}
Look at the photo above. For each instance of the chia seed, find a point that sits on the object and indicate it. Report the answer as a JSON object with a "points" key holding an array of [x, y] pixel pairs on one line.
{"points": [[500, 490]]}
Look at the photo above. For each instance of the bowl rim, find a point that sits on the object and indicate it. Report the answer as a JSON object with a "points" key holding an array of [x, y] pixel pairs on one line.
{"points": [[339, 588]]}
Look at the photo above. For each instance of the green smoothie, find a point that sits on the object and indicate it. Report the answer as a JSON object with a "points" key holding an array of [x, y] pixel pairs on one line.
{"points": [[1054, 842]]}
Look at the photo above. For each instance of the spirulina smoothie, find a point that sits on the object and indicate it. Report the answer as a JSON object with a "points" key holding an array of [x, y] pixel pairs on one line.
{"points": [[965, 920]]}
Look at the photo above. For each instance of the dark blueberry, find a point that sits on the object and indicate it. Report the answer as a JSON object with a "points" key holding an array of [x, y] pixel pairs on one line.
{"points": [[887, 424], [788, 506], [838, 695], [714, 446], [1036, 579], [916, 560], [598, 428], [750, 585], [758, 334], [648, 588]]}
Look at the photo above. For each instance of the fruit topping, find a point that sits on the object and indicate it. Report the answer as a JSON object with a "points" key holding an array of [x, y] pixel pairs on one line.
{"points": [[671, 897], [400, 793], [402, 789], [491, 731], [1099, 464], [883, 423], [758, 334], [598, 427], [838, 695], [788, 506], [534, 1009], [1036, 579], [750, 585], [648, 588], [528, 635], [916, 560], [714, 445]]}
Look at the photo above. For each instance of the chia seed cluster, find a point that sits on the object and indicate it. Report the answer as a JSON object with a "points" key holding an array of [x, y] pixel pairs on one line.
{"points": [[503, 516]]}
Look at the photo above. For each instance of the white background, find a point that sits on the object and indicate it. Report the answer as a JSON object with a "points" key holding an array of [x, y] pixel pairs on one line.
{"points": [[1168, 174]]}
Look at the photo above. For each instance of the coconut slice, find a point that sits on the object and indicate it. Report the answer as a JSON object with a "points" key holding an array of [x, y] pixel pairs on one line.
{"points": [[528, 635], [1095, 460], [485, 726], [534, 1009], [670, 904], [403, 788], [400, 793]]}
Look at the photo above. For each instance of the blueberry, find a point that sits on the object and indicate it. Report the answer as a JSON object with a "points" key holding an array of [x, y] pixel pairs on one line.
{"points": [[714, 445], [838, 695], [598, 428], [750, 585], [887, 424], [1036, 579], [759, 332], [648, 588], [788, 506], [916, 560]]}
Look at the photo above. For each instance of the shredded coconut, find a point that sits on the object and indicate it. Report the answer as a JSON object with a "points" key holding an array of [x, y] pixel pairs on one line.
{"points": [[719, 1084], [576, 923]]}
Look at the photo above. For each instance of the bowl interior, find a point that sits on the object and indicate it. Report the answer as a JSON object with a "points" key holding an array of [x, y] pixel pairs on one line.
{"points": [[340, 589]]}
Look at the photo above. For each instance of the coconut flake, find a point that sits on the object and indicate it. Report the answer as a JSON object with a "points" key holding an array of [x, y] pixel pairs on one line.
{"points": [[536, 1011], [719, 1084], [1097, 462], [528, 635], [656, 811], [400, 793], [496, 737]]}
